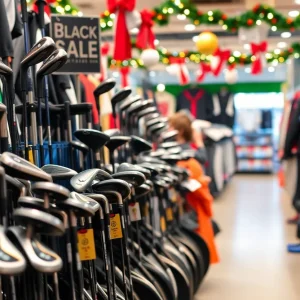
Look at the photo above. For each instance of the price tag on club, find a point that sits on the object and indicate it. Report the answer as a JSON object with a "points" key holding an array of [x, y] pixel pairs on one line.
{"points": [[134, 212]]}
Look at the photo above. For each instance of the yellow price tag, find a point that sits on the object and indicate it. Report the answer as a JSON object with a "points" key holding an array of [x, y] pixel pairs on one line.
{"points": [[169, 214], [115, 227], [86, 244], [163, 224]]}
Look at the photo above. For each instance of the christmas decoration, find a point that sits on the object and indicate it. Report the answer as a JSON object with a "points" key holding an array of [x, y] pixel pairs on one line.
{"points": [[220, 57], [231, 74], [104, 61], [150, 57], [254, 35], [204, 69], [133, 19], [258, 51], [146, 37], [207, 43], [179, 68], [124, 71], [122, 49]]}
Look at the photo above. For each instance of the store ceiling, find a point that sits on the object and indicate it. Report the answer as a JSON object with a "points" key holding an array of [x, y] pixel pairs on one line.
{"points": [[169, 36]]}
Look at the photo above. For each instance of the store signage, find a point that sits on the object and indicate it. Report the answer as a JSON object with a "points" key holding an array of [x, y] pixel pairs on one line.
{"points": [[80, 38]]}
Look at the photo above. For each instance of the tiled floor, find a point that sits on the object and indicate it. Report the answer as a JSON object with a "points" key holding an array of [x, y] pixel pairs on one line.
{"points": [[254, 262]]}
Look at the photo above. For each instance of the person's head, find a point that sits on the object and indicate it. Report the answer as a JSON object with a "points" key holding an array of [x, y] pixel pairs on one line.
{"points": [[181, 122]]}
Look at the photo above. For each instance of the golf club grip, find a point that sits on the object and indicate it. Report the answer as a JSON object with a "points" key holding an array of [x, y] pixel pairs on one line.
{"points": [[24, 11], [41, 8]]}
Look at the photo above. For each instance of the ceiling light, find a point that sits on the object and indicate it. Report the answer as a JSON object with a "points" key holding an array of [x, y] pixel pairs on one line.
{"points": [[161, 87], [248, 70], [115, 74], [281, 44], [189, 27], [294, 13], [286, 35], [247, 47], [156, 42], [271, 69], [181, 17], [195, 38], [277, 51], [134, 30]]}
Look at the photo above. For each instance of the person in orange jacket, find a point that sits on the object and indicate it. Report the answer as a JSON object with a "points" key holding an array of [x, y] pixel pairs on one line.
{"points": [[200, 200]]}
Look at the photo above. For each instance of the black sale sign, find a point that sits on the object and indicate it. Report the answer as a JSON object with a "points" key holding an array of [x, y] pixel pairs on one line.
{"points": [[80, 38]]}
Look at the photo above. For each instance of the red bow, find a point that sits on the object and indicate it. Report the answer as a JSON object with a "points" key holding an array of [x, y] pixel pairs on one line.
{"points": [[124, 76], [223, 56], [122, 49], [183, 72], [105, 49], [146, 36], [46, 8], [204, 69], [257, 51]]}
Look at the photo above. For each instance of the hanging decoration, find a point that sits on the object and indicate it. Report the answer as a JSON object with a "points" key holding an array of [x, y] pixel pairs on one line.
{"points": [[218, 60], [259, 58], [178, 67], [150, 57], [122, 47], [124, 71], [231, 74], [207, 43], [145, 38], [204, 69], [104, 61]]}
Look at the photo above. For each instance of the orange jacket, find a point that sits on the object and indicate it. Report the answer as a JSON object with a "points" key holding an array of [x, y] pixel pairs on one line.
{"points": [[201, 200]]}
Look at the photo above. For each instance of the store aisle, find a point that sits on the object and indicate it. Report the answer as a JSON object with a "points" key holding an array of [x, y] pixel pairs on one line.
{"points": [[255, 264]]}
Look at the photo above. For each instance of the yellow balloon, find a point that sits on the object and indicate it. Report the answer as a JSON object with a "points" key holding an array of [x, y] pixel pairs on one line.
{"points": [[207, 43]]}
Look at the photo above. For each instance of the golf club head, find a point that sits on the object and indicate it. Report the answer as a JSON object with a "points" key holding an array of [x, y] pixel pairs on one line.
{"points": [[139, 145], [85, 199], [168, 145], [169, 135], [94, 139], [83, 181], [5, 70], [135, 178], [104, 87], [112, 132], [115, 185], [54, 62], [129, 102], [118, 97], [39, 52], [18, 167], [79, 207], [147, 111], [14, 262], [100, 198], [59, 172]]}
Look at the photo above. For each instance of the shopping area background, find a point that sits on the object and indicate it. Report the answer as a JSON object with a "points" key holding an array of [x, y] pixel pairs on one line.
{"points": [[211, 87]]}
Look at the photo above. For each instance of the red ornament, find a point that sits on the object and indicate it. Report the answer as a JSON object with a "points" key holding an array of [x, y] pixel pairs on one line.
{"points": [[256, 7], [224, 17], [274, 21], [199, 13], [289, 21], [250, 22], [233, 29], [292, 29], [291, 50]]}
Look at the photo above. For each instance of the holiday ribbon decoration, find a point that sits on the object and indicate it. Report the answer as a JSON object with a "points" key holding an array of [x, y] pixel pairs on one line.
{"points": [[204, 70], [124, 71], [145, 38], [47, 7], [122, 49], [182, 71], [104, 61], [222, 56], [258, 51]]}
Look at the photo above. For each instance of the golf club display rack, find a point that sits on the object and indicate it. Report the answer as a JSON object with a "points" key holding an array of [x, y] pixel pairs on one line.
{"points": [[76, 224]]}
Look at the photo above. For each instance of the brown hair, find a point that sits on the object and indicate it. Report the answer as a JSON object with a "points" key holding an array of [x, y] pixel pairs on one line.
{"points": [[181, 122]]}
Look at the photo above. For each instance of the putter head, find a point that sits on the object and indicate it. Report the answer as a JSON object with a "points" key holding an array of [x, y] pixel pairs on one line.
{"points": [[54, 62], [104, 87], [83, 181], [5, 70], [39, 52], [94, 139], [85, 199], [18, 167], [59, 172]]}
